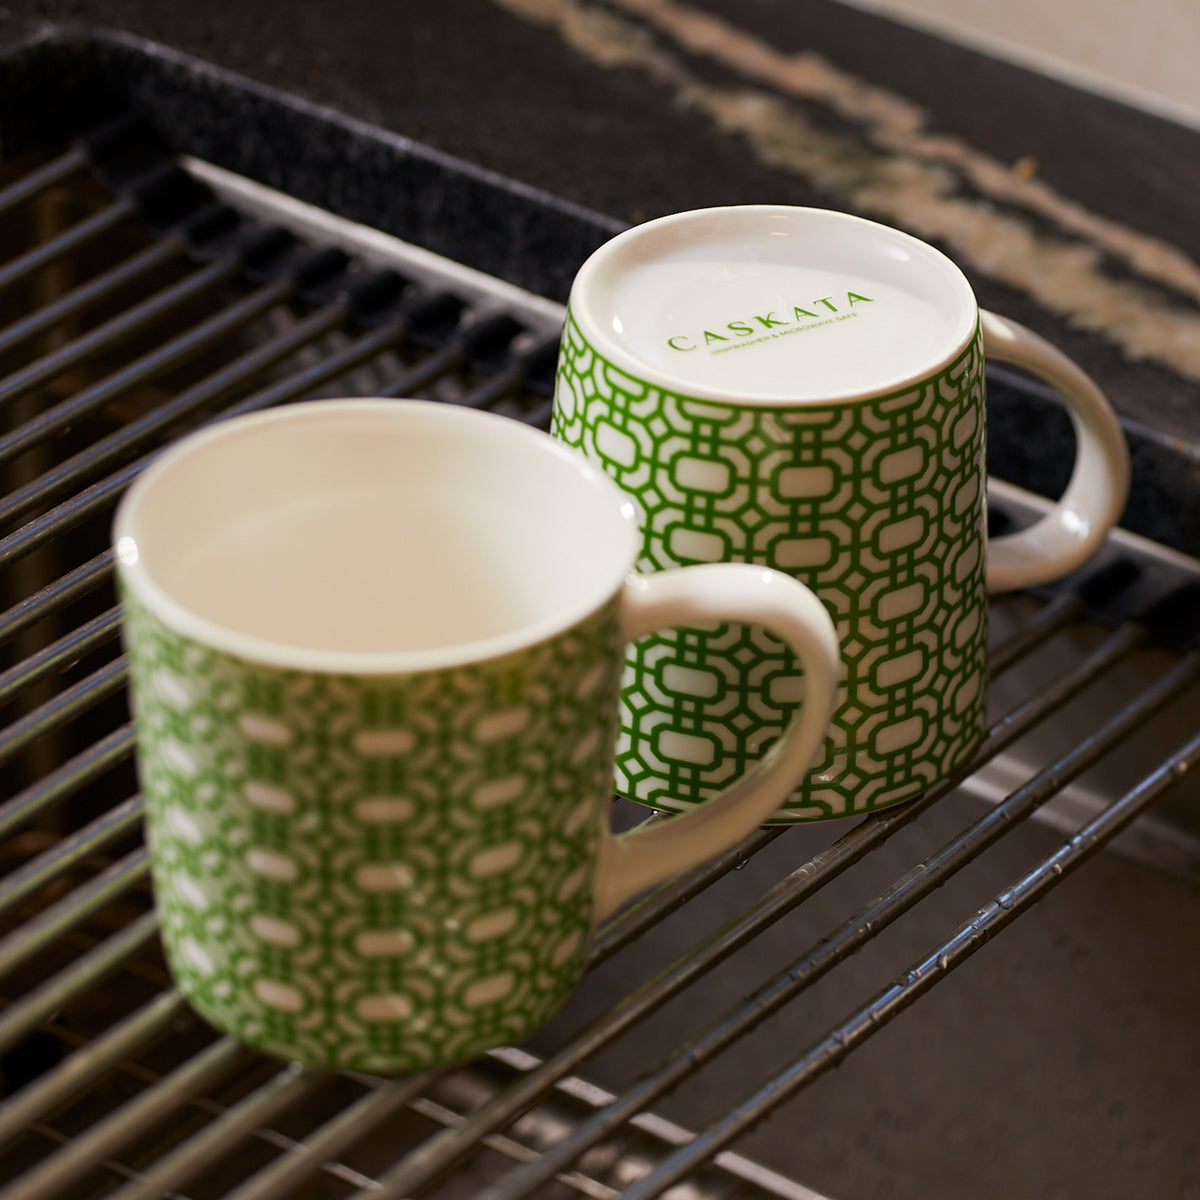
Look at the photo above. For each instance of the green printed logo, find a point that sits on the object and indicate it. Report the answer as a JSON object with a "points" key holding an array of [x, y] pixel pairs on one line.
{"points": [[764, 327]]}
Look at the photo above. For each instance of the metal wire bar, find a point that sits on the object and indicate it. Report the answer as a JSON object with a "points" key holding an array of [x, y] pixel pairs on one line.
{"points": [[733, 1177], [1044, 624], [162, 358], [386, 337], [512, 377], [443, 1149], [28, 186], [66, 649], [70, 239], [70, 513], [517, 1151], [143, 1112], [76, 583], [632, 921], [87, 1064], [117, 329], [892, 1000], [748, 1178], [37, 1006], [316, 1154], [99, 454], [423, 373], [51, 923], [493, 390], [170, 246], [837, 946], [51, 1134], [104, 494], [237, 1123], [62, 708], [109, 826], [300, 1161], [67, 779]]}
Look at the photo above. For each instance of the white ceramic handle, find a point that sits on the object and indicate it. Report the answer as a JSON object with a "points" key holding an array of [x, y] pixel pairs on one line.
{"points": [[1071, 532], [633, 861]]}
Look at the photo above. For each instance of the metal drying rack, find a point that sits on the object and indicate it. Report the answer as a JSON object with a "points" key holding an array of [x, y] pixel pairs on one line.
{"points": [[144, 295]]}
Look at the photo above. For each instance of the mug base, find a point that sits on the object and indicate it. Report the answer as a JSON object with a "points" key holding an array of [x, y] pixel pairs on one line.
{"points": [[318, 1054], [798, 814], [830, 800]]}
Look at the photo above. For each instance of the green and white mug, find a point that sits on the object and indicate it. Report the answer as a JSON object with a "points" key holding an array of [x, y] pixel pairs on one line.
{"points": [[804, 389], [375, 653]]}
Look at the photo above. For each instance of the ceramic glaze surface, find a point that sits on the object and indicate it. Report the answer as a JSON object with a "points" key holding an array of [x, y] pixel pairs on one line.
{"points": [[878, 506], [775, 305], [376, 874]]}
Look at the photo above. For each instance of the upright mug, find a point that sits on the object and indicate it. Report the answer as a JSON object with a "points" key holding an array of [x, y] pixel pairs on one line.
{"points": [[804, 389], [375, 649]]}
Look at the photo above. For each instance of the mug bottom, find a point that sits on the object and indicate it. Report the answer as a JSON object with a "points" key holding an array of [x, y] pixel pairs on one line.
{"points": [[842, 789], [398, 1047]]}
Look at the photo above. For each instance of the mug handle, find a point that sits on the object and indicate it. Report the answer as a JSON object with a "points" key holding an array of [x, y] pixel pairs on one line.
{"points": [[633, 861], [1071, 532]]}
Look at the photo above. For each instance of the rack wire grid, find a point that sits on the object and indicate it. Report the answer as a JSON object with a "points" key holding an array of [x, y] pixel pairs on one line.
{"points": [[142, 296]]}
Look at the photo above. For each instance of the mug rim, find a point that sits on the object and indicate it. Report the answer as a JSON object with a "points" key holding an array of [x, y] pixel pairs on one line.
{"points": [[581, 310], [136, 576]]}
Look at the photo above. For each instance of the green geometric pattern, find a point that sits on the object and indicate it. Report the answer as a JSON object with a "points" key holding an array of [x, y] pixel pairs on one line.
{"points": [[376, 874], [876, 505]]}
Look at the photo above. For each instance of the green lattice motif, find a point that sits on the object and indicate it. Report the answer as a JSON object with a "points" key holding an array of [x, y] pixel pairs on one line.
{"points": [[383, 874], [876, 505]]}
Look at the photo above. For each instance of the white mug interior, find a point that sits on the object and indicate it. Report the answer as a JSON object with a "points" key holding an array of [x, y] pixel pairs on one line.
{"points": [[773, 304], [373, 535]]}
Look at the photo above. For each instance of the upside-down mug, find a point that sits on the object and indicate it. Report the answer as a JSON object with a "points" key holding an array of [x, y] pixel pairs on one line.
{"points": [[375, 649], [804, 389]]}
